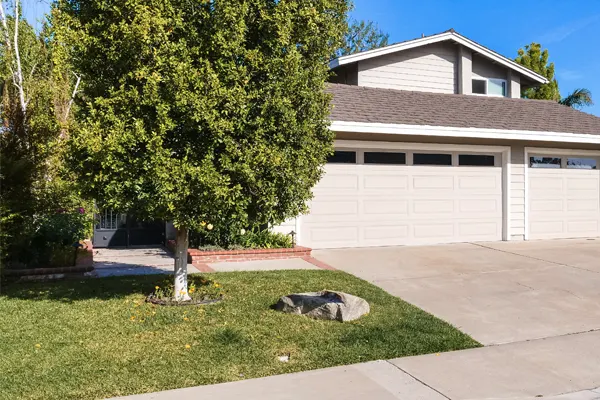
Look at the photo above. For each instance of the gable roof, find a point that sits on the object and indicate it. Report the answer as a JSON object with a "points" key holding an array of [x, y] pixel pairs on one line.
{"points": [[390, 106], [439, 37]]}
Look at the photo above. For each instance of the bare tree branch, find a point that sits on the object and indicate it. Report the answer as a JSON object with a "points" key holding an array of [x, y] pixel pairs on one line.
{"points": [[5, 27], [73, 95], [19, 76]]}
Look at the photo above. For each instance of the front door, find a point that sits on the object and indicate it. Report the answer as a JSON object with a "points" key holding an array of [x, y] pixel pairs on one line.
{"points": [[114, 229]]}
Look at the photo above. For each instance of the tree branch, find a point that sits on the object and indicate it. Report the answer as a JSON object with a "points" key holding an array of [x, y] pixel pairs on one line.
{"points": [[19, 76], [5, 27], [73, 95]]}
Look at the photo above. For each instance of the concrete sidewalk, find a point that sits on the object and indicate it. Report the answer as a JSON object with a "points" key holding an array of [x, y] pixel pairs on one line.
{"points": [[565, 367]]}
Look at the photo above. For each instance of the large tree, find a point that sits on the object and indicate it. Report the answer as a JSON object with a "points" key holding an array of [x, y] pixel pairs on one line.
{"points": [[536, 59], [362, 36], [203, 113]]}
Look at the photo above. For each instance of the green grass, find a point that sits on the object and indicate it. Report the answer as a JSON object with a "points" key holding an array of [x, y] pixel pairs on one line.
{"points": [[89, 346]]}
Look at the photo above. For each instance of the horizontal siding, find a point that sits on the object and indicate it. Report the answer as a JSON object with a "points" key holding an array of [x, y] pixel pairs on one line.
{"points": [[517, 193], [427, 69], [484, 68]]}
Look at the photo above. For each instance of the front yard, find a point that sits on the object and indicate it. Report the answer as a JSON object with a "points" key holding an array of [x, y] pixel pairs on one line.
{"points": [[97, 338]]}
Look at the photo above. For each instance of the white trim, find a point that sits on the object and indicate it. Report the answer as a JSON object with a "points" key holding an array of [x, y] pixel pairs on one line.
{"points": [[505, 151], [445, 131], [352, 58], [487, 86], [547, 151]]}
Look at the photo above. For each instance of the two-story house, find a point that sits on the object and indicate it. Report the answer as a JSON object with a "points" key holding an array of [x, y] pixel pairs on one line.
{"points": [[435, 145]]}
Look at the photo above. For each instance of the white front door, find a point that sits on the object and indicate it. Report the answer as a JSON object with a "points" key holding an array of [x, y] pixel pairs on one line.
{"points": [[371, 197], [563, 196]]}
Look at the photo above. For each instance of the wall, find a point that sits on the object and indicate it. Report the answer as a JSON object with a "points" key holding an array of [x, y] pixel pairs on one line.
{"points": [[431, 68], [517, 192]]}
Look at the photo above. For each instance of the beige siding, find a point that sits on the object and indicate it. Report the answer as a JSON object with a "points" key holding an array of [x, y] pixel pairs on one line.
{"points": [[484, 68], [517, 194], [431, 68]]}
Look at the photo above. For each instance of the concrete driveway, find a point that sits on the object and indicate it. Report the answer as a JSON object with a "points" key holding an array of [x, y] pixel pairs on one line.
{"points": [[496, 292]]}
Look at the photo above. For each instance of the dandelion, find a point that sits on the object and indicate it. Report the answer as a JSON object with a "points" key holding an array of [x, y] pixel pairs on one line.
{"points": [[132, 318], [156, 287], [217, 285], [186, 319], [38, 346], [187, 346], [209, 227], [202, 223]]}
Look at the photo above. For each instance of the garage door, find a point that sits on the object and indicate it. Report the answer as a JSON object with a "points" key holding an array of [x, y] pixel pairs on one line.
{"points": [[383, 198], [564, 196]]}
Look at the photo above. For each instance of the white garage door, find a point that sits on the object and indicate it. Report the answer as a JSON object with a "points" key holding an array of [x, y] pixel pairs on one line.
{"points": [[564, 197], [383, 198]]}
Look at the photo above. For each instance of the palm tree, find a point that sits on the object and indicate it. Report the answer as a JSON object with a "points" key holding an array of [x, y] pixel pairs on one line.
{"points": [[577, 99]]}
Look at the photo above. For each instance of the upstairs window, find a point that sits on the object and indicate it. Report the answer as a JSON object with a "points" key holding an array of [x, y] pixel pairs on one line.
{"points": [[489, 87]]}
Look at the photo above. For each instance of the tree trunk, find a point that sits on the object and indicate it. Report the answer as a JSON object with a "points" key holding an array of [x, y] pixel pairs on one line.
{"points": [[181, 258]]}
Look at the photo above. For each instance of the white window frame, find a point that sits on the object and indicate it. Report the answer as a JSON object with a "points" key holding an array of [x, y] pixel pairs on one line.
{"points": [[487, 82]]}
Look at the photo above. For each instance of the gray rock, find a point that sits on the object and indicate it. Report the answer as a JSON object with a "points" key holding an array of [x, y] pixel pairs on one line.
{"points": [[324, 305]]}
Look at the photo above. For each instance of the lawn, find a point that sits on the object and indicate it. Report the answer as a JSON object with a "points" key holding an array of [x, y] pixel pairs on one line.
{"points": [[97, 338]]}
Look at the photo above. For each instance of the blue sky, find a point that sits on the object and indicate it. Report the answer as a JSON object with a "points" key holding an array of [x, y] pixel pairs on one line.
{"points": [[570, 30]]}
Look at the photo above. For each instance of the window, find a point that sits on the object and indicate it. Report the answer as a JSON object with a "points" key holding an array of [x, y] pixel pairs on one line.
{"points": [[476, 160], [489, 87], [376, 157], [479, 86], [496, 87], [544, 162], [582, 163], [342, 157], [432, 159]]}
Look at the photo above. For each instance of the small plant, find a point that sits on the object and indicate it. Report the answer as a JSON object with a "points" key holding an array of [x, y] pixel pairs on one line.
{"points": [[265, 239], [213, 240], [200, 289]]}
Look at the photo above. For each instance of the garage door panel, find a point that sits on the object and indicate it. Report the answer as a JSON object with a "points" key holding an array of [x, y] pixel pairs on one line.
{"points": [[488, 207], [424, 182], [385, 182], [490, 230], [563, 203], [434, 232], [480, 183], [391, 207], [336, 182], [431, 207]]}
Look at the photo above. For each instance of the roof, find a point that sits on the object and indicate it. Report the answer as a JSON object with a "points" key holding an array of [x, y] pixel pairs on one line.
{"points": [[390, 106], [439, 37]]}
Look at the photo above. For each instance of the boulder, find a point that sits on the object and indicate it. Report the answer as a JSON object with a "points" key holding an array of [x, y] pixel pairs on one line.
{"points": [[327, 304]]}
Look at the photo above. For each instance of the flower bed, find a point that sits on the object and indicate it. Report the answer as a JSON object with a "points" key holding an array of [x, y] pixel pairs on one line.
{"points": [[196, 256]]}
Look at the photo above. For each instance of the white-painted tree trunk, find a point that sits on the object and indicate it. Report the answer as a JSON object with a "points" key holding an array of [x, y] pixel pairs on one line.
{"points": [[181, 253]]}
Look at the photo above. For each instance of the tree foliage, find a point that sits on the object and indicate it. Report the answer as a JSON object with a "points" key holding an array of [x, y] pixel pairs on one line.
{"points": [[362, 36], [578, 98], [203, 111], [536, 59], [32, 136]]}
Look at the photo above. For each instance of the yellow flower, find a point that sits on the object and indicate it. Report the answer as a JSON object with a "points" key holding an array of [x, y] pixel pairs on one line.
{"points": [[187, 346], [37, 345], [132, 318], [186, 319], [202, 223], [217, 285], [156, 287]]}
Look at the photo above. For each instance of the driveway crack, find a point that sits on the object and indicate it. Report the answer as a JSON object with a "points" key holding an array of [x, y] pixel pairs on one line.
{"points": [[418, 380], [531, 257]]}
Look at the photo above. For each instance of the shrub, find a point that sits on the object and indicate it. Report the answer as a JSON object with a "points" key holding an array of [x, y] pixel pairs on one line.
{"points": [[207, 240]]}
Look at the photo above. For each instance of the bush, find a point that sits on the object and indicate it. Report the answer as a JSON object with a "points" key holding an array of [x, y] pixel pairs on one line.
{"points": [[255, 239]]}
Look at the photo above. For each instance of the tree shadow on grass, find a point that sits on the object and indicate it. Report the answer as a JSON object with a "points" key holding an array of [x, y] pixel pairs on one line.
{"points": [[69, 291]]}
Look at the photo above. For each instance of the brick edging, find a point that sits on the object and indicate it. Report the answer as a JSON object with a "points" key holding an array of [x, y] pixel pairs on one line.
{"points": [[196, 256], [318, 263]]}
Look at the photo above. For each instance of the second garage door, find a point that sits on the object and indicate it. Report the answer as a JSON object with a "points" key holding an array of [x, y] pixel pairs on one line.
{"points": [[383, 198], [564, 196]]}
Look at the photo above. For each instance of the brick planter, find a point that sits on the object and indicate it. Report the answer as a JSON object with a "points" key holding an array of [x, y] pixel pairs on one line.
{"points": [[196, 256]]}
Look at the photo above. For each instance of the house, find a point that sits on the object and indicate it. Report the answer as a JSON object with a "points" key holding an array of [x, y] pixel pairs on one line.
{"points": [[434, 145]]}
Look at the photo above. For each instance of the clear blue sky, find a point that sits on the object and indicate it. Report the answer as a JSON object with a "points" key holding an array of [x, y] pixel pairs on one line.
{"points": [[570, 30]]}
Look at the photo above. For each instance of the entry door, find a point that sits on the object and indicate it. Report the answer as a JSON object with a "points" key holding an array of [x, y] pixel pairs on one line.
{"points": [[384, 198], [110, 229], [563, 196]]}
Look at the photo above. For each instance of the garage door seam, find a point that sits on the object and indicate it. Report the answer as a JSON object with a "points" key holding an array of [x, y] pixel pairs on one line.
{"points": [[533, 258], [418, 380]]}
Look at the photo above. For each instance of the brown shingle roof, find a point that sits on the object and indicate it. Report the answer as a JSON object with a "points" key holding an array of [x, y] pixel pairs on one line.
{"points": [[389, 106]]}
